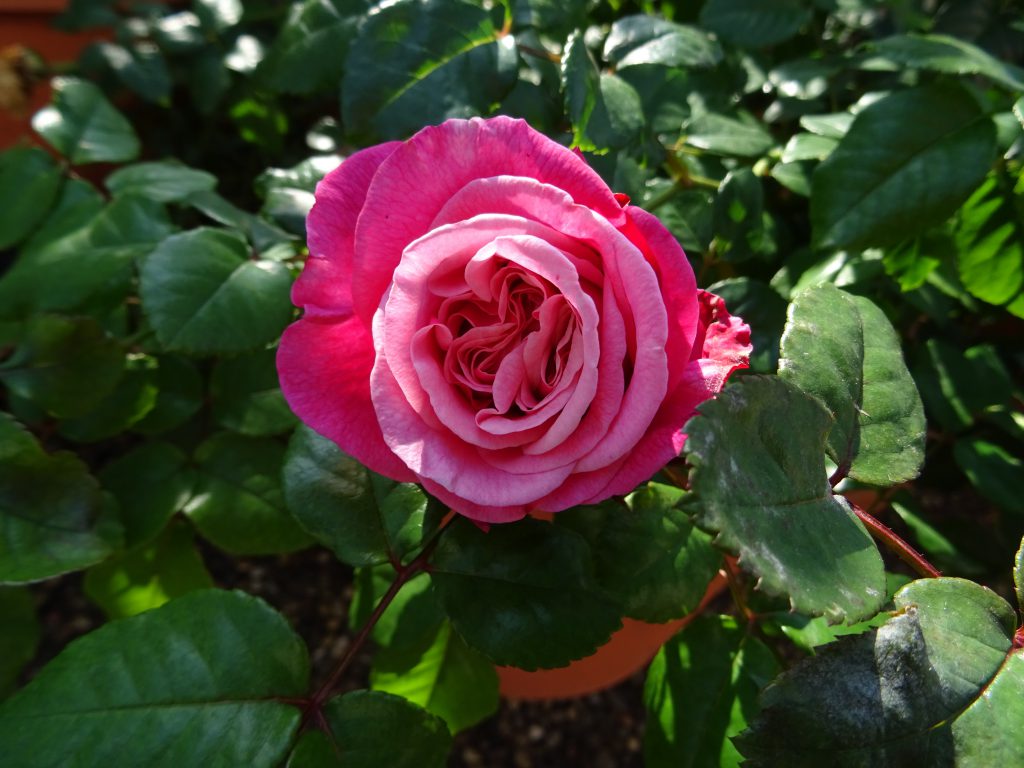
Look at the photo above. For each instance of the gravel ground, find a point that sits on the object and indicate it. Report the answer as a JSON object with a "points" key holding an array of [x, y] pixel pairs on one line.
{"points": [[313, 591]]}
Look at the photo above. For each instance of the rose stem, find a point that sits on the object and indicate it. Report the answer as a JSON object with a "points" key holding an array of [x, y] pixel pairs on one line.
{"points": [[405, 573], [899, 547]]}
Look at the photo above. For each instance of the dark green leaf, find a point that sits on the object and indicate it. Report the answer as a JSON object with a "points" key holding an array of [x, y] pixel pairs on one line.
{"points": [[237, 503], [151, 483], [149, 576], [180, 395], [247, 397], [728, 667], [64, 365], [29, 184], [194, 682], [363, 517], [739, 219], [84, 127], [635, 40], [20, 637], [447, 678], [141, 68], [164, 182], [218, 15], [990, 243], [755, 23], [831, 126], [410, 624], [374, 729], [522, 594], [886, 697], [807, 146], [53, 517], [907, 162], [941, 53], [581, 83], [721, 135], [843, 350], [87, 262], [204, 295], [993, 471], [758, 479], [131, 399], [939, 548], [958, 385], [445, 58], [647, 554], [988, 733], [309, 52]]}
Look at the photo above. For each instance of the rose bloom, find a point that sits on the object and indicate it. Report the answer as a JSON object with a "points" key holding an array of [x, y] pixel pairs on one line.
{"points": [[485, 317]]}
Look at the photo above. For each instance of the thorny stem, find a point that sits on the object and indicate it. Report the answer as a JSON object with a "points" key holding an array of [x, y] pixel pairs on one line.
{"points": [[899, 547], [405, 573], [736, 589]]}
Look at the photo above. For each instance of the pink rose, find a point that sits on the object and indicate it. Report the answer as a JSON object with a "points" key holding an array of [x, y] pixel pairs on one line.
{"points": [[484, 316]]}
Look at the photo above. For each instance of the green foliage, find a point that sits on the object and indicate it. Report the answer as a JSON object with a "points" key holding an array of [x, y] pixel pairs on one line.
{"points": [[759, 482], [523, 594], [140, 692], [843, 350], [846, 175]]}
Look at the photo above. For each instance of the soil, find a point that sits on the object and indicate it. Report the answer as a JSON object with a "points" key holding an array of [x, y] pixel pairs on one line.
{"points": [[313, 590]]}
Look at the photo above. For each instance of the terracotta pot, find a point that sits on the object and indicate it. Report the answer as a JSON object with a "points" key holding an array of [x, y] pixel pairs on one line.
{"points": [[629, 650], [26, 30]]}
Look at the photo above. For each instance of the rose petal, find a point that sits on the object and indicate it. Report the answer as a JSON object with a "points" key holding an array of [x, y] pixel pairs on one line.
{"points": [[325, 285], [324, 367], [423, 174]]}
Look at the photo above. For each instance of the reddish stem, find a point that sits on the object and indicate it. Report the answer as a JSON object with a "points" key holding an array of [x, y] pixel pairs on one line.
{"points": [[1018, 639], [899, 547]]}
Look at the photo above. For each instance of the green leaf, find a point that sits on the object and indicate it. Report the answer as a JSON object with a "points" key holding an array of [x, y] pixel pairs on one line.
{"points": [[887, 697], [86, 261], [522, 594], [763, 309], [84, 127], [958, 386], [20, 637], [204, 295], [988, 733], [739, 218], [237, 503], [993, 471], [1018, 576], [755, 23], [64, 365], [721, 135], [246, 395], [445, 58], [642, 39], [843, 350], [164, 182], [728, 667], [29, 184], [647, 554], [309, 52], [907, 162], [179, 396], [990, 243], [53, 517], [758, 479], [149, 576], [373, 729], [151, 483], [409, 625], [807, 146], [131, 399], [940, 53], [141, 68], [939, 548], [218, 15], [194, 682], [363, 517], [448, 679]]}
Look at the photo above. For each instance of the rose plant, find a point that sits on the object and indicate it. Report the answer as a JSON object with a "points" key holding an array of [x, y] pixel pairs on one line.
{"points": [[484, 316], [414, 320]]}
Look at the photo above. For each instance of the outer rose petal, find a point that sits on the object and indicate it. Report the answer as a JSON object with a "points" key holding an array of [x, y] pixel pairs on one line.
{"points": [[324, 367], [463, 150], [325, 285]]}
